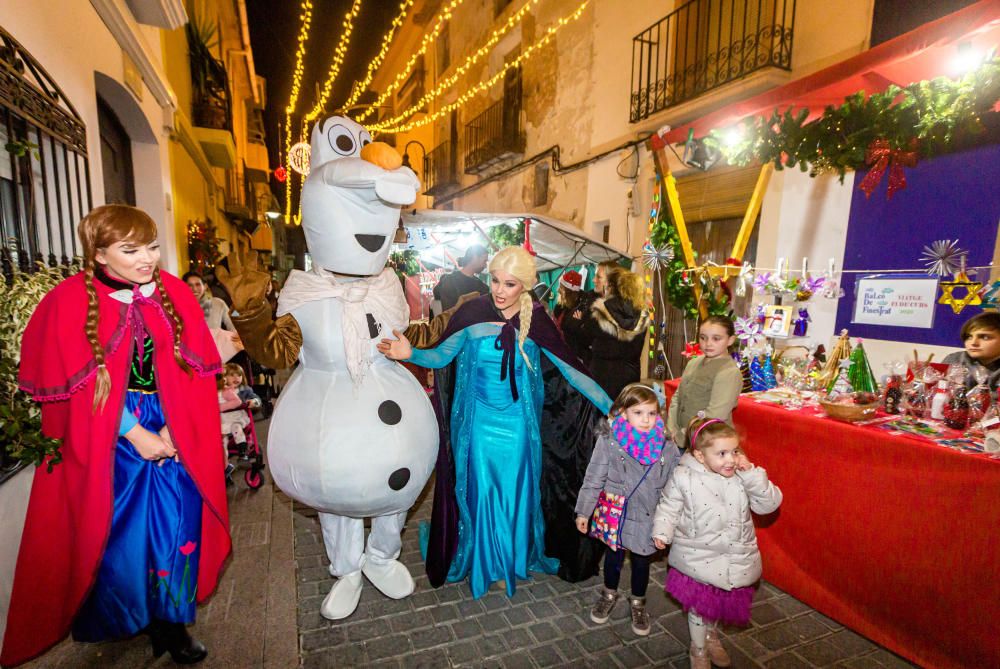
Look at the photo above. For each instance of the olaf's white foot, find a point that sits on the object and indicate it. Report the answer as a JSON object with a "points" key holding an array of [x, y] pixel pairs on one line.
{"points": [[391, 578], [343, 597]]}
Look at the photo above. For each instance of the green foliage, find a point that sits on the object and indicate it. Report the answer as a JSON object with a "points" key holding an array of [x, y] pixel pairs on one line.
{"points": [[404, 263], [21, 148], [504, 235], [677, 283], [932, 117], [20, 417]]}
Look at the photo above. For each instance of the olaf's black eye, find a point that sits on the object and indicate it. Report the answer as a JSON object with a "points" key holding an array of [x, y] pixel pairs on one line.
{"points": [[341, 139]]}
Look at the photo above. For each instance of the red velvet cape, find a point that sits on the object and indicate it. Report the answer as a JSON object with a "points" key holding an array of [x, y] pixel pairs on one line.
{"points": [[70, 509]]}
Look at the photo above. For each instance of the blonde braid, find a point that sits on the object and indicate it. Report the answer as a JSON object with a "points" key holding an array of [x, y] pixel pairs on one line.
{"points": [[168, 306], [526, 309], [102, 384]]}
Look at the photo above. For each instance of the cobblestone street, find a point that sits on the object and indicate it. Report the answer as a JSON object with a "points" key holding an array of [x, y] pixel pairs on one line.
{"points": [[546, 623]]}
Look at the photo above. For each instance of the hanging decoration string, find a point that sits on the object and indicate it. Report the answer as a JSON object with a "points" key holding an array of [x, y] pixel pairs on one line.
{"points": [[376, 62], [449, 81], [338, 59], [524, 57], [300, 53], [429, 38]]}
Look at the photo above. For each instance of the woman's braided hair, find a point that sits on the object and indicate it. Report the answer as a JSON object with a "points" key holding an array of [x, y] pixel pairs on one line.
{"points": [[518, 263], [102, 227]]}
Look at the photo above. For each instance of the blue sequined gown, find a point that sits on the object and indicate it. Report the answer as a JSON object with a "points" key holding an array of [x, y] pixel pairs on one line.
{"points": [[498, 458]]}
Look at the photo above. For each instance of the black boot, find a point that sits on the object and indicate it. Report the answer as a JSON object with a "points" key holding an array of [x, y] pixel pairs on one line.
{"points": [[174, 637]]}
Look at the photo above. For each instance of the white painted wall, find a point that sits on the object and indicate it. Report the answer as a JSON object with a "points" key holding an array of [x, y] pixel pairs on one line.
{"points": [[71, 42]]}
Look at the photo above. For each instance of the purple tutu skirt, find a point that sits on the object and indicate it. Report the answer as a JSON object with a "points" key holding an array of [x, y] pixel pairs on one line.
{"points": [[730, 607]]}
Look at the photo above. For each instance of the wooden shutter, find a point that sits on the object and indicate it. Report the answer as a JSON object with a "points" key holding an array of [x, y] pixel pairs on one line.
{"points": [[718, 194]]}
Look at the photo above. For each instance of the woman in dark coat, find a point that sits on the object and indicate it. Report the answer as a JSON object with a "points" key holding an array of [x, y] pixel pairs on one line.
{"points": [[616, 327]]}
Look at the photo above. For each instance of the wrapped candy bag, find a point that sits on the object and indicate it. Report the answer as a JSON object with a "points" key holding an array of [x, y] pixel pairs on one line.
{"points": [[915, 402], [956, 412], [979, 397], [892, 392]]}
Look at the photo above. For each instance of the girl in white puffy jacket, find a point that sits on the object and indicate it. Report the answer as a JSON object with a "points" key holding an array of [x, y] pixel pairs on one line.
{"points": [[704, 511]]}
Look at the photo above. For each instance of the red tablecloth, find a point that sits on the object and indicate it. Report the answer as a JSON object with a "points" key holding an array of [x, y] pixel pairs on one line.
{"points": [[892, 536]]}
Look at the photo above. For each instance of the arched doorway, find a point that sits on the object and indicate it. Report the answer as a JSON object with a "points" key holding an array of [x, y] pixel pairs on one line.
{"points": [[116, 157]]}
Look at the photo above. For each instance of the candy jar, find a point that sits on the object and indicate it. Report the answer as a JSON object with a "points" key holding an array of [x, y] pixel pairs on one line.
{"points": [[915, 399], [892, 392], [956, 413]]}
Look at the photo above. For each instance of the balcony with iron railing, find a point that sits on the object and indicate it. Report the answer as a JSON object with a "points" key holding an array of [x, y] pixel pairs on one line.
{"points": [[494, 135], [440, 169], [704, 45], [240, 200]]}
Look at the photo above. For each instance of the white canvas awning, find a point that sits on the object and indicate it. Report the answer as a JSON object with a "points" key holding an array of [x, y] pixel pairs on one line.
{"points": [[441, 237]]}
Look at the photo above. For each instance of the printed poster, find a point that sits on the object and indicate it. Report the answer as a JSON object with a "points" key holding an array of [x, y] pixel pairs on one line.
{"points": [[905, 302]]}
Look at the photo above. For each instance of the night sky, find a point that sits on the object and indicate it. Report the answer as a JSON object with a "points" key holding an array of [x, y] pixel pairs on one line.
{"points": [[274, 29]]}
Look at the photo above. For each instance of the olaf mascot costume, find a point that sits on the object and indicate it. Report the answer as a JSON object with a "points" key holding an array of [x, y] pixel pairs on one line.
{"points": [[353, 434]]}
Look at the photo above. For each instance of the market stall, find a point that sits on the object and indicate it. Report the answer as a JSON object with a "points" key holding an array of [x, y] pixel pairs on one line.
{"points": [[889, 533], [439, 238]]}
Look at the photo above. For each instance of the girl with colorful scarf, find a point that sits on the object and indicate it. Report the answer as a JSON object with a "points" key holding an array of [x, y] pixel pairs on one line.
{"points": [[630, 465]]}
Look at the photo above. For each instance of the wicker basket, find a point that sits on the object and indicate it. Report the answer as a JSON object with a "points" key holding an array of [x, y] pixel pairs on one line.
{"points": [[852, 413]]}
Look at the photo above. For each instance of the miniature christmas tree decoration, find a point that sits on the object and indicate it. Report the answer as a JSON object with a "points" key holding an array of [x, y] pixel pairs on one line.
{"points": [[860, 374]]}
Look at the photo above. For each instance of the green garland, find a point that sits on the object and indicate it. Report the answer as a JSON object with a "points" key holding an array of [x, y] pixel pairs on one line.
{"points": [[931, 117], [679, 291], [504, 235]]}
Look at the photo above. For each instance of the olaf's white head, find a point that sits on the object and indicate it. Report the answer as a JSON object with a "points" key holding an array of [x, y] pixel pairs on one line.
{"points": [[352, 197]]}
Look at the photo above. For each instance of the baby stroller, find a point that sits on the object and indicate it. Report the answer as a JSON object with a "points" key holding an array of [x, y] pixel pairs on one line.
{"points": [[250, 450]]}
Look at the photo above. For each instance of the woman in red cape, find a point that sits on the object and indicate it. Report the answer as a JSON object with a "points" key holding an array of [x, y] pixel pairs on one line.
{"points": [[131, 529]]}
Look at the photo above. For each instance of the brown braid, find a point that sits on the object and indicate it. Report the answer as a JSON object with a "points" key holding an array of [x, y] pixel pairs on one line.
{"points": [[102, 385], [168, 306]]}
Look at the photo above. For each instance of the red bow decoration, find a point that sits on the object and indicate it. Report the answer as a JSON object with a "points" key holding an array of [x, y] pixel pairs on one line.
{"points": [[527, 237], [879, 157], [692, 350]]}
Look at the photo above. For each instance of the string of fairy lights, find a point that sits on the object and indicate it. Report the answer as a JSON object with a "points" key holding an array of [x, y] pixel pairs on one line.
{"points": [[449, 81], [470, 93], [361, 86], [398, 123], [338, 59], [306, 16], [401, 77]]}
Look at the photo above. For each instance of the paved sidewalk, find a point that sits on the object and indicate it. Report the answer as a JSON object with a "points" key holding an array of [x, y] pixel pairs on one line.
{"points": [[546, 623], [250, 620]]}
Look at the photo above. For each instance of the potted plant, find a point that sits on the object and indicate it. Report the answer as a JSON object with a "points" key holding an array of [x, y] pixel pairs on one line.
{"points": [[20, 417]]}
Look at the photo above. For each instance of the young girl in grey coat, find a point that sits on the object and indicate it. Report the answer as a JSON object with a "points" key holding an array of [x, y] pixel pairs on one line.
{"points": [[632, 459], [704, 512]]}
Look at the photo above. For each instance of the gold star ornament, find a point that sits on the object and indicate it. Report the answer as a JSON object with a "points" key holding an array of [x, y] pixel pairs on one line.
{"points": [[972, 296]]}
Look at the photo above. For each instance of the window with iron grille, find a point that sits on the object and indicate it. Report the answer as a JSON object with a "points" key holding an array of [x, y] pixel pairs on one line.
{"points": [[44, 170]]}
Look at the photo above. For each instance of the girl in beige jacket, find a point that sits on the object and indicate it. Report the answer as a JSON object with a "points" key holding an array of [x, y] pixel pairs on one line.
{"points": [[704, 511]]}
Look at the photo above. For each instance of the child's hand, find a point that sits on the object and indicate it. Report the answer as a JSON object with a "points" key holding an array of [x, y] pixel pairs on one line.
{"points": [[581, 524], [742, 462], [659, 543]]}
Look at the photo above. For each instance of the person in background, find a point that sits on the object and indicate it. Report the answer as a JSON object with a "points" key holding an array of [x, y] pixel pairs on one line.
{"points": [[462, 281], [711, 383], [981, 338], [571, 314], [618, 323], [215, 309], [601, 276]]}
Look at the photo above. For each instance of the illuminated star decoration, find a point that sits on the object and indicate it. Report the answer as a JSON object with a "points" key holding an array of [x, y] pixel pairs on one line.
{"points": [[943, 257], [692, 350], [972, 289], [748, 331], [656, 257]]}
